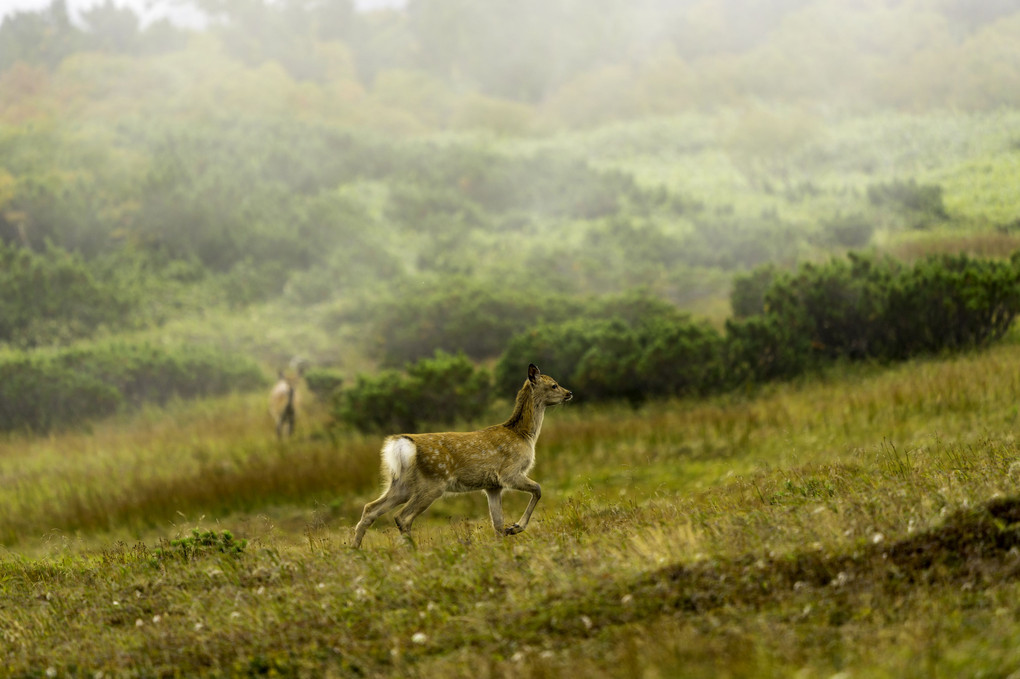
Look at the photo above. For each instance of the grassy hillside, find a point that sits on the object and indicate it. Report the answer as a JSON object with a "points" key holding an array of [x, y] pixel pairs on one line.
{"points": [[864, 522], [359, 189]]}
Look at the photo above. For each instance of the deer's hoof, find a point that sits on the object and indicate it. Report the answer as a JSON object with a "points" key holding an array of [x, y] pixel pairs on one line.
{"points": [[514, 529]]}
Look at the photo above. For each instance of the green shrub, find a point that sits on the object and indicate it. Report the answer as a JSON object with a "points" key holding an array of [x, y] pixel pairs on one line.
{"points": [[763, 348], [325, 383], [37, 394], [748, 295], [54, 297], [868, 307], [922, 204], [201, 542], [53, 390], [681, 358], [556, 348], [459, 316], [436, 391], [848, 231], [860, 307], [950, 302], [620, 358]]}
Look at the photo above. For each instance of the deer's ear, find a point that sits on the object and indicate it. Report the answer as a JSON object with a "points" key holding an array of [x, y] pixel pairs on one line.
{"points": [[533, 372]]}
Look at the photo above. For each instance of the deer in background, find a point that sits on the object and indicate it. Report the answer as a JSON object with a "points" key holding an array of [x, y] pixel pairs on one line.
{"points": [[282, 401], [420, 468]]}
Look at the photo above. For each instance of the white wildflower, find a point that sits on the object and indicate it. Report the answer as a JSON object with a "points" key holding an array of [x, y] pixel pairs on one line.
{"points": [[419, 638]]}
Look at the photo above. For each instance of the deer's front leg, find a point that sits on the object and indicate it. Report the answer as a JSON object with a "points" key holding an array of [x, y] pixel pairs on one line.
{"points": [[526, 485]]}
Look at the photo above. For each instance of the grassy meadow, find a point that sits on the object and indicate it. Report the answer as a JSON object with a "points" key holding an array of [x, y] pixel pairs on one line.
{"points": [[300, 180], [863, 522]]}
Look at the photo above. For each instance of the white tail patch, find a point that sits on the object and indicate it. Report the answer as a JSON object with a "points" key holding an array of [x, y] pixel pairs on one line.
{"points": [[398, 454]]}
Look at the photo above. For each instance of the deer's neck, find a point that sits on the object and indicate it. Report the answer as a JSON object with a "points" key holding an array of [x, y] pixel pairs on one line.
{"points": [[527, 417]]}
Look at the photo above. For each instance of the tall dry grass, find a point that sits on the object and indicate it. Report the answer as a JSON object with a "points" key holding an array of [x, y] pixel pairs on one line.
{"points": [[152, 469]]}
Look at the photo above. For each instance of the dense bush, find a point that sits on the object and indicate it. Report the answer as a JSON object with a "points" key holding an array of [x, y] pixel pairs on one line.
{"points": [[784, 324], [45, 391], [325, 383], [619, 359], [922, 204], [950, 302], [747, 297], [432, 392], [741, 243], [543, 183], [478, 320], [54, 297], [459, 316], [763, 348], [867, 307]]}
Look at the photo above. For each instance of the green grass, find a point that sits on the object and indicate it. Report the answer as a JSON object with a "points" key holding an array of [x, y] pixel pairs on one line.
{"points": [[864, 521]]}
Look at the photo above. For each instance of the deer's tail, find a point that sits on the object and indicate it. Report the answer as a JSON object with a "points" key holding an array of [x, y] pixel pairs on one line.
{"points": [[398, 455]]}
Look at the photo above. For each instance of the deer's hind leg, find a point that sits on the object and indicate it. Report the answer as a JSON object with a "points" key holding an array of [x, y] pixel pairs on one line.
{"points": [[395, 495], [421, 499], [524, 484]]}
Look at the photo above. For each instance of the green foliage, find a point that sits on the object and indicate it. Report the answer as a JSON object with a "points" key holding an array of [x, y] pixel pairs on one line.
{"points": [[921, 204], [764, 348], [458, 316], [619, 358], [58, 389], [865, 307], [40, 395], [325, 383], [951, 302], [542, 183], [784, 324], [748, 295], [849, 231], [55, 297], [200, 542], [741, 243], [436, 391]]}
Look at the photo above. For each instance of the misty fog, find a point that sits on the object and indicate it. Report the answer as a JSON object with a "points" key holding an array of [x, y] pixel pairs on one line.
{"points": [[336, 168]]}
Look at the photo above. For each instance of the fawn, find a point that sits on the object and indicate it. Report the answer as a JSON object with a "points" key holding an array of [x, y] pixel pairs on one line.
{"points": [[282, 402], [420, 468]]}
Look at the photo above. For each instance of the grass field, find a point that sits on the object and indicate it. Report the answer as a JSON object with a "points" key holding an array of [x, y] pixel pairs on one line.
{"points": [[863, 522]]}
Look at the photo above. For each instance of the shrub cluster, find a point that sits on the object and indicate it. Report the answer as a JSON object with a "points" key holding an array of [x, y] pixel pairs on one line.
{"points": [[867, 307], [200, 542], [921, 204], [614, 359], [45, 391], [431, 392], [861, 307], [636, 347], [54, 297]]}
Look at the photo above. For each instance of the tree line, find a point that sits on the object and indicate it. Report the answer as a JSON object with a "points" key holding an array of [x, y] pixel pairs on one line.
{"points": [[582, 60]]}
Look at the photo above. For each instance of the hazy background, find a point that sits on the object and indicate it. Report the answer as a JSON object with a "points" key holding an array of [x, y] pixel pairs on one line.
{"points": [[304, 177]]}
